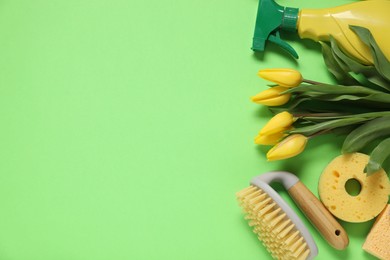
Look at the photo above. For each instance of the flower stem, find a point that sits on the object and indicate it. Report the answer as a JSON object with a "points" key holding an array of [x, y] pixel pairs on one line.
{"points": [[319, 133], [326, 115], [329, 116], [312, 82]]}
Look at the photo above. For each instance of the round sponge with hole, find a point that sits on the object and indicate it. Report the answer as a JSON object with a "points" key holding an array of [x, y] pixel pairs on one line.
{"points": [[361, 207]]}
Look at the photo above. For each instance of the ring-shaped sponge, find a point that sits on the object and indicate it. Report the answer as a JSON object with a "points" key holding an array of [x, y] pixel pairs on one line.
{"points": [[371, 200]]}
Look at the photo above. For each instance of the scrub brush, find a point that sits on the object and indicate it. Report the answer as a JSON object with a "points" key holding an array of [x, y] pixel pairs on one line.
{"points": [[278, 226]]}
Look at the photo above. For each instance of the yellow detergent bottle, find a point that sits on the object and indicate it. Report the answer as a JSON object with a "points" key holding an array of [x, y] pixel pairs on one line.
{"points": [[321, 24]]}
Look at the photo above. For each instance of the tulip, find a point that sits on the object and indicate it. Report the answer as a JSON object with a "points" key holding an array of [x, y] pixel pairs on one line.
{"points": [[289, 147], [269, 139], [277, 124], [288, 78], [272, 97]]}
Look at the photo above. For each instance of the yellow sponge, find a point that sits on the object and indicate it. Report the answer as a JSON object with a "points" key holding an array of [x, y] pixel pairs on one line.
{"points": [[378, 240], [371, 200]]}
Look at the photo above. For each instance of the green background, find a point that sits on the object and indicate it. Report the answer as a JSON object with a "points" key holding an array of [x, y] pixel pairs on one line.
{"points": [[127, 129]]}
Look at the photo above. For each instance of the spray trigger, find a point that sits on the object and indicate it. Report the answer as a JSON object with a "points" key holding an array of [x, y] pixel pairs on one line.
{"points": [[272, 18], [284, 45]]}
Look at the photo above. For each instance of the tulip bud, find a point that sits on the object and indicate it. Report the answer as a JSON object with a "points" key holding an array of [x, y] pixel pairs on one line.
{"points": [[272, 97], [288, 78], [277, 124], [269, 139], [289, 147]]}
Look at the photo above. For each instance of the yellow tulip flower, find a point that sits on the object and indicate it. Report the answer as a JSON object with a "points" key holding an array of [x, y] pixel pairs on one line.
{"points": [[289, 147], [277, 124], [269, 139], [288, 78], [272, 97]]}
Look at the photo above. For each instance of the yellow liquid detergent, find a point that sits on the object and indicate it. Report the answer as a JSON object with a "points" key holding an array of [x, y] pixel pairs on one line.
{"points": [[320, 24]]}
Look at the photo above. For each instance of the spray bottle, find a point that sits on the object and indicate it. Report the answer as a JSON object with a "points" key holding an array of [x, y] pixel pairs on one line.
{"points": [[321, 24]]}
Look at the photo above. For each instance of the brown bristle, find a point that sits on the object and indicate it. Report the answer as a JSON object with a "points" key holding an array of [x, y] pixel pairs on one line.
{"points": [[271, 225]]}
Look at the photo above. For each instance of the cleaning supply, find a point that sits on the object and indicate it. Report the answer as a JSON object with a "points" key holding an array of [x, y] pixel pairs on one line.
{"points": [[378, 240], [321, 24], [360, 207], [278, 226]]}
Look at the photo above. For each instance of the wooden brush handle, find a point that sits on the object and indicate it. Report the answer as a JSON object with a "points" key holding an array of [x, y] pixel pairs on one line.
{"points": [[321, 218]]}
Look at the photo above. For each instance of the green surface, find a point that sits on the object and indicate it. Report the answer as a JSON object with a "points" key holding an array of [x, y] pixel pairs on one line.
{"points": [[126, 129]]}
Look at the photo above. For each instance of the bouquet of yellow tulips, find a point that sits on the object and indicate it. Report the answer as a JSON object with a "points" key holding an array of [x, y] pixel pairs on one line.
{"points": [[306, 108]]}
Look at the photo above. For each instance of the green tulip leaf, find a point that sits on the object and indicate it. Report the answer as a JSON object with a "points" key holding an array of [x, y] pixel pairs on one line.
{"points": [[375, 78], [380, 61], [327, 125], [344, 130], [332, 116], [374, 98], [380, 153], [366, 133], [332, 89], [350, 71], [334, 67], [335, 93], [349, 63]]}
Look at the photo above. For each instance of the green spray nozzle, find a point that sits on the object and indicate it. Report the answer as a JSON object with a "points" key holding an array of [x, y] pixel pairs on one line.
{"points": [[271, 19]]}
